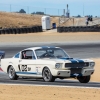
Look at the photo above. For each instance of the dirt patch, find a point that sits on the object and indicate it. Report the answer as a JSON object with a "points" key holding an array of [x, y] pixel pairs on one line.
{"points": [[51, 37], [47, 93]]}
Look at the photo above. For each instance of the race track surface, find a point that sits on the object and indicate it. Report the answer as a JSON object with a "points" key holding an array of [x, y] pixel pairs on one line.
{"points": [[5, 79], [76, 51]]}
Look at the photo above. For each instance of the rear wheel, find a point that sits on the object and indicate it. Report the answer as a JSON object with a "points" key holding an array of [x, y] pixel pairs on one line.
{"points": [[84, 79], [12, 74], [47, 76]]}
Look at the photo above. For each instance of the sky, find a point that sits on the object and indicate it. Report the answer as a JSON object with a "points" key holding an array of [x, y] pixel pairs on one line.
{"points": [[53, 7]]}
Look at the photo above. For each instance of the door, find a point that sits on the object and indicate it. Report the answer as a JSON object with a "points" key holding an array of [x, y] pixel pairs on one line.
{"points": [[27, 64]]}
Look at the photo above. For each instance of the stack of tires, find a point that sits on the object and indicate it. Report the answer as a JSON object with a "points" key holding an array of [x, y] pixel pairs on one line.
{"points": [[79, 29], [21, 30]]}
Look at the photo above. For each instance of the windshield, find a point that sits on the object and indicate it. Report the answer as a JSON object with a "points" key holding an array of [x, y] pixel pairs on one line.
{"points": [[51, 53]]}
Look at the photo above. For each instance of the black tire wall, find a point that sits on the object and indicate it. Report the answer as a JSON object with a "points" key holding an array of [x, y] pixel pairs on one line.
{"points": [[78, 29], [22, 30]]}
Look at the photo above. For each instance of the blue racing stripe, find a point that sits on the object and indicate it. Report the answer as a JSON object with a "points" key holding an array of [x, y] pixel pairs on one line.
{"points": [[73, 61], [70, 59], [80, 61], [26, 73]]}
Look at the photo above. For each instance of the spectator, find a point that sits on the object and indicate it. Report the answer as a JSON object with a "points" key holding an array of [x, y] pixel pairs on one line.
{"points": [[91, 18], [87, 21]]}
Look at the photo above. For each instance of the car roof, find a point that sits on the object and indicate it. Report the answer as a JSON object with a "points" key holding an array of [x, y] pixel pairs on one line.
{"points": [[42, 47]]}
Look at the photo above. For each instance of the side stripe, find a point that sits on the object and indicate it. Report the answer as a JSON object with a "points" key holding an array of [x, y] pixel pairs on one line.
{"points": [[28, 73]]}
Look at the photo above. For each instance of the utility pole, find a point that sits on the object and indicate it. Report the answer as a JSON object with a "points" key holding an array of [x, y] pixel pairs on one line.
{"points": [[58, 12], [28, 9], [83, 10], [45, 10], [10, 7]]}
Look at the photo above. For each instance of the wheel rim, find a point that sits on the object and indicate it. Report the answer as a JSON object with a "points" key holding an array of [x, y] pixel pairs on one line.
{"points": [[46, 74], [11, 72]]}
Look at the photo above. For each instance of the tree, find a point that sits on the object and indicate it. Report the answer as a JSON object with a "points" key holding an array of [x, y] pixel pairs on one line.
{"points": [[38, 13], [22, 11]]}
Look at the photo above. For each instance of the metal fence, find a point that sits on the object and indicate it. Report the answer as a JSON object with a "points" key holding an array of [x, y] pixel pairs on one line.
{"points": [[31, 9]]}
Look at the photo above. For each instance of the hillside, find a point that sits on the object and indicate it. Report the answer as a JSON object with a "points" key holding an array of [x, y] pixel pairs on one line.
{"points": [[19, 20]]}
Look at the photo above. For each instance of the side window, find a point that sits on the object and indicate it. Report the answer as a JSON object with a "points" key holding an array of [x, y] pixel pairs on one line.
{"points": [[28, 54], [17, 55]]}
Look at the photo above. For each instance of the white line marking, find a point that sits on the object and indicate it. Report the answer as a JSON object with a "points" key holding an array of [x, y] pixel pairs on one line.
{"points": [[51, 86]]}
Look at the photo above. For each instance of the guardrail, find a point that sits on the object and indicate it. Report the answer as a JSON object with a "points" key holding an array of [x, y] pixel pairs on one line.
{"points": [[79, 29], [32, 29]]}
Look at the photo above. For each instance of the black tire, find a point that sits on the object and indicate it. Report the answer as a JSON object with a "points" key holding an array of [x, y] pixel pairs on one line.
{"points": [[12, 74], [84, 79], [47, 76]]}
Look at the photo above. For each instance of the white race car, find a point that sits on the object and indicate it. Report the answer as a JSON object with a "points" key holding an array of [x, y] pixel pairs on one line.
{"points": [[48, 63]]}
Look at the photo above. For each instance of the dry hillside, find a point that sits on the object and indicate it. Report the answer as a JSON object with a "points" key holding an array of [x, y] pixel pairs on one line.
{"points": [[19, 20]]}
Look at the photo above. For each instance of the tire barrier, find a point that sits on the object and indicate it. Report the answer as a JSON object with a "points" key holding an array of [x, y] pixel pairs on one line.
{"points": [[79, 29], [21, 30]]}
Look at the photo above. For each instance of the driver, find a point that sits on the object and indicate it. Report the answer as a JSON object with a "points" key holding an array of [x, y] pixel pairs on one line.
{"points": [[24, 55]]}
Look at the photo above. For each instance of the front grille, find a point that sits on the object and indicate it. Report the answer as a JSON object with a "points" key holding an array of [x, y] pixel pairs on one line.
{"points": [[78, 65], [76, 70]]}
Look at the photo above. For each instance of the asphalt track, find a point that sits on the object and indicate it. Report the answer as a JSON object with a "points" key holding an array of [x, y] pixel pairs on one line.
{"points": [[76, 51]]}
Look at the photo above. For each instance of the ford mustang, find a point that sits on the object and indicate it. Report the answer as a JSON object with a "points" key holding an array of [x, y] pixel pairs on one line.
{"points": [[49, 63]]}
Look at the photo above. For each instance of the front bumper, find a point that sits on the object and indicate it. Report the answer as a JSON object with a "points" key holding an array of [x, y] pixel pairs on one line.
{"points": [[68, 73]]}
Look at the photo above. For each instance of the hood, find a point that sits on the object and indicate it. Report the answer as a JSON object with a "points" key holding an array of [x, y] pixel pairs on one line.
{"points": [[68, 60]]}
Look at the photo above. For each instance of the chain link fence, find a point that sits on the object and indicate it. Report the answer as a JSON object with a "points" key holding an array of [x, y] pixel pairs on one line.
{"points": [[31, 9]]}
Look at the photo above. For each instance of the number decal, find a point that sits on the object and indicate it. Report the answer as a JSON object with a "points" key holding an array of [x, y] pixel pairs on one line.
{"points": [[24, 68]]}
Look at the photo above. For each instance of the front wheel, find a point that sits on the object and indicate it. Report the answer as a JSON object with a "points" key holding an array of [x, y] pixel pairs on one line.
{"points": [[47, 76], [84, 79], [12, 74]]}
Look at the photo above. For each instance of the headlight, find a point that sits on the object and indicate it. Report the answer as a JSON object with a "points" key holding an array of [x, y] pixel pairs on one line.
{"points": [[58, 65], [92, 64]]}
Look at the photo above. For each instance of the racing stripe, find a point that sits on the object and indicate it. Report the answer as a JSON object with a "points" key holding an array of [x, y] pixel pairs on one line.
{"points": [[35, 73], [26, 73], [73, 60], [70, 59], [80, 61]]}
